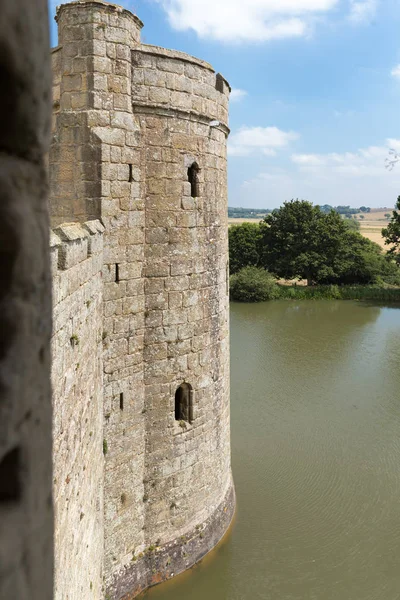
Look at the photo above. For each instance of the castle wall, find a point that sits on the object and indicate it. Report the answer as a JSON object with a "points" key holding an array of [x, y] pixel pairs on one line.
{"points": [[129, 121], [26, 512], [77, 379]]}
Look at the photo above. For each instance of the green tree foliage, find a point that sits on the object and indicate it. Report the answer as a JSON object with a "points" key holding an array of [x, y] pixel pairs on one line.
{"points": [[244, 246], [253, 284], [299, 240], [361, 261], [352, 224], [391, 233], [346, 210]]}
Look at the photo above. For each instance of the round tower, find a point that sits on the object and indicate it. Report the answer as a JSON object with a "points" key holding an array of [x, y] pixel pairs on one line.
{"points": [[182, 110]]}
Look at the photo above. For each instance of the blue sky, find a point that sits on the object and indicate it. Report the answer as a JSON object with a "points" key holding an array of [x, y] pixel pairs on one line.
{"points": [[316, 92]]}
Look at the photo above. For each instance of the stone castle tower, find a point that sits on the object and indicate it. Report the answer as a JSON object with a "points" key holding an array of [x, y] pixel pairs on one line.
{"points": [[138, 202]]}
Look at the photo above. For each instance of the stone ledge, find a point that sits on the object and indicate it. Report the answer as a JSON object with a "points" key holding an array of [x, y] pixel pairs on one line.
{"points": [[163, 563], [72, 243], [171, 112], [174, 54]]}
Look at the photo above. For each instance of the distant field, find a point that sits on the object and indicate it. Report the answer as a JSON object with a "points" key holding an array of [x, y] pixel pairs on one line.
{"points": [[240, 221], [371, 225]]}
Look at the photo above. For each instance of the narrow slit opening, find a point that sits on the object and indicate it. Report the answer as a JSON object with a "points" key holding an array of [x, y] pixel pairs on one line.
{"points": [[117, 273], [130, 173], [193, 178], [121, 401]]}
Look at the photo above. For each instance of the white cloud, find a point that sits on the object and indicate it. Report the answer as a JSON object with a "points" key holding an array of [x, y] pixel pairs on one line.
{"points": [[353, 178], [237, 95], [309, 160], [393, 144], [362, 11], [259, 139], [257, 20], [395, 72], [366, 162]]}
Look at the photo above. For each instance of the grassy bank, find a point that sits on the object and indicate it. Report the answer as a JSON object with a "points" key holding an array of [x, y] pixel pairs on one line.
{"points": [[344, 292], [254, 284]]}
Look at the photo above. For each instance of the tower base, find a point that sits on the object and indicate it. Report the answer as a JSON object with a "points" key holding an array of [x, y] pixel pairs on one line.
{"points": [[159, 564]]}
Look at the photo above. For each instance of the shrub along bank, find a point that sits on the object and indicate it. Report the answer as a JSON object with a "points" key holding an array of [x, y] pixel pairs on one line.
{"points": [[254, 284]]}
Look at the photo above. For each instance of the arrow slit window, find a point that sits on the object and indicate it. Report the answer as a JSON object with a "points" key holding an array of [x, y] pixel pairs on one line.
{"points": [[184, 403], [193, 178]]}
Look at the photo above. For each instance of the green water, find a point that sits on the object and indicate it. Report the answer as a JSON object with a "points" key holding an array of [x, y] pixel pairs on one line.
{"points": [[315, 394]]}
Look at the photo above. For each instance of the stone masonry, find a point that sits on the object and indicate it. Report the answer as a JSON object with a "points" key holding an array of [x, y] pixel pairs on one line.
{"points": [[26, 511], [77, 374], [138, 201]]}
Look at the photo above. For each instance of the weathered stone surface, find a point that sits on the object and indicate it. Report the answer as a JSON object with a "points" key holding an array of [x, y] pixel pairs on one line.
{"points": [[160, 562], [147, 300], [26, 513], [77, 377]]}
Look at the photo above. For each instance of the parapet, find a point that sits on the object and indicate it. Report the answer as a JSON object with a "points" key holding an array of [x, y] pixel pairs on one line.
{"points": [[164, 81]]}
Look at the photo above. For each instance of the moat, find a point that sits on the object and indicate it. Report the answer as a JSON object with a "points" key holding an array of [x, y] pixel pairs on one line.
{"points": [[316, 457]]}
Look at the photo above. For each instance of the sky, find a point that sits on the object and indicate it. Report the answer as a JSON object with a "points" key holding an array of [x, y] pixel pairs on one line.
{"points": [[315, 97]]}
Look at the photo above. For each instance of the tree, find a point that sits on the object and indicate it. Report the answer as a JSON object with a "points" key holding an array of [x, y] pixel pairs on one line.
{"points": [[353, 224], [301, 241], [244, 246], [253, 284], [391, 233], [361, 261]]}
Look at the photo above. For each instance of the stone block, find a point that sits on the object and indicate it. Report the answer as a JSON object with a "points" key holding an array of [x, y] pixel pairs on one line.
{"points": [[101, 64], [123, 52], [157, 235], [158, 95], [155, 352], [170, 65], [72, 83], [157, 301], [123, 120], [121, 102], [153, 77], [157, 270]]}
